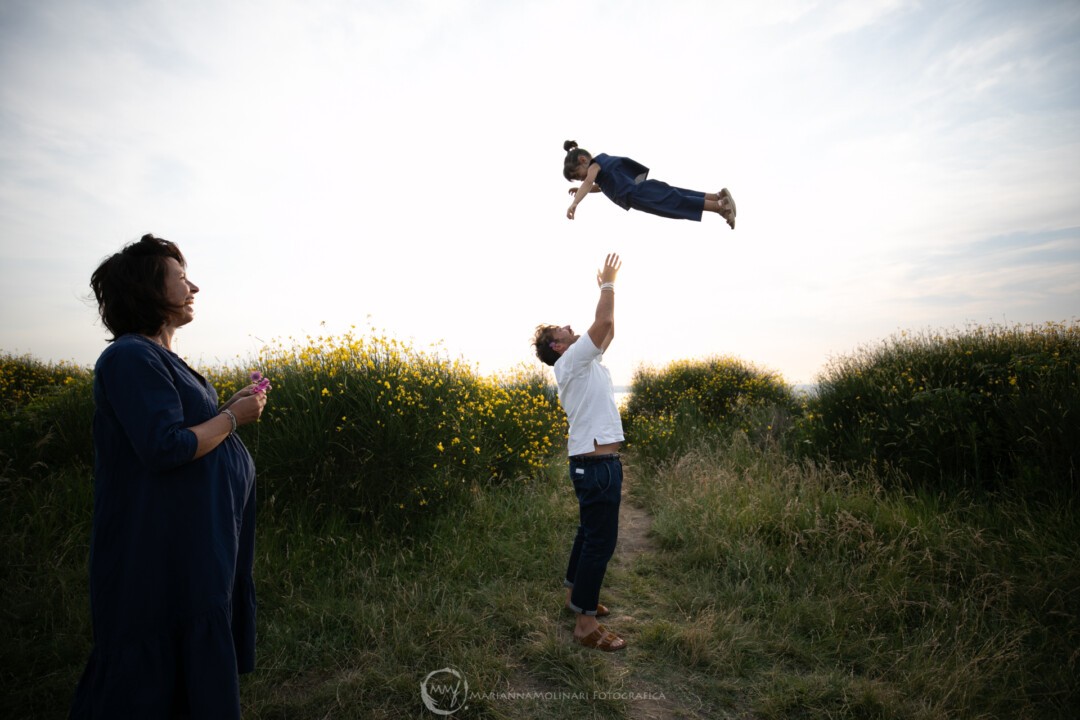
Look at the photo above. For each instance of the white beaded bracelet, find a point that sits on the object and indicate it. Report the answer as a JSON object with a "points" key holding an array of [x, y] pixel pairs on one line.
{"points": [[232, 418], [608, 285]]}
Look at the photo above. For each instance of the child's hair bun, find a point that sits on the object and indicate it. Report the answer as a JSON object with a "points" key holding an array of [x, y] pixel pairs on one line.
{"points": [[569, 145]]}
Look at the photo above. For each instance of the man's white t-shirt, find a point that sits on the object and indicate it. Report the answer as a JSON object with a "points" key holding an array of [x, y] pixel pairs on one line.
{"points": [[588, 397]]}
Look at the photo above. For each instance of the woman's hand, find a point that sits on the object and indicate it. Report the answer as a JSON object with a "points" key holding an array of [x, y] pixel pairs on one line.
{"points": [[260, 386], [247, 408], [241, 393], [570, 211]]}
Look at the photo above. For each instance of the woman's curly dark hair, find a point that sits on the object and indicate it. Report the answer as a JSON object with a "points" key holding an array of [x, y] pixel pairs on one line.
{"points": [[130, 287]]}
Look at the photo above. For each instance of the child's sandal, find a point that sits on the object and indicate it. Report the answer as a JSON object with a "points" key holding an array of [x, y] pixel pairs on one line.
{"points": [[725, 194]]}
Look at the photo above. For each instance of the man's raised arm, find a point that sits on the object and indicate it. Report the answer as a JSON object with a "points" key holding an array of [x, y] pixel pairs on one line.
{"points": [[603, 328]]}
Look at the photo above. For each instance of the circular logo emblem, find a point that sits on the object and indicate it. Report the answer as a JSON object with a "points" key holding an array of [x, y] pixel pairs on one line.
{"points": [[444, 691]]}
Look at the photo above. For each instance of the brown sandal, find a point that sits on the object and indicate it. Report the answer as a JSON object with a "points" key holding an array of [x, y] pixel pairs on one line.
{"points": [[601, 610], [603, 639]]}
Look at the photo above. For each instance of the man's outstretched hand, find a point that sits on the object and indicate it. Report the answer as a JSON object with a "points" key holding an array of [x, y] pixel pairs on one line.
{"points": [[611, 268]]}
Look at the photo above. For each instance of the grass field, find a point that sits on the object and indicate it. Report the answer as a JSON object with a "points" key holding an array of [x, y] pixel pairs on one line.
{"points": [[752, 579]]}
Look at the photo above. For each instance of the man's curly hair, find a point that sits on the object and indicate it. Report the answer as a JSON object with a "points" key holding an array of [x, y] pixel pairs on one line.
{"points": [[542, 339]]}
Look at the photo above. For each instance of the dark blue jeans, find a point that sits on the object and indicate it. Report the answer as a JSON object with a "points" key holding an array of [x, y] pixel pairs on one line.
{"points": [[598, 484]]}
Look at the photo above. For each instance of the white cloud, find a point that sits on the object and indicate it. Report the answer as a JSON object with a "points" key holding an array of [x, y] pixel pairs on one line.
{"points": [[332, 160]]}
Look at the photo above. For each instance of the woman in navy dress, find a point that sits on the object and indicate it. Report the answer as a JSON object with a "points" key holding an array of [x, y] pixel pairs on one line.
{"points": [[625, 182], [172, 598]]}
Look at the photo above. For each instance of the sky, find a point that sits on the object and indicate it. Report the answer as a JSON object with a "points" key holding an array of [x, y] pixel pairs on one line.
{"points": [[397, 167]]}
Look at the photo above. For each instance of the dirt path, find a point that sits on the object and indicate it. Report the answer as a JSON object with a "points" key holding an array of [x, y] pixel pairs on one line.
{"points": [[634, 526], [631, 596]]}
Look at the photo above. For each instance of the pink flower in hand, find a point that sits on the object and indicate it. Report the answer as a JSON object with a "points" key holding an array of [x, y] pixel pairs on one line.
{"points": [[262, 384]]}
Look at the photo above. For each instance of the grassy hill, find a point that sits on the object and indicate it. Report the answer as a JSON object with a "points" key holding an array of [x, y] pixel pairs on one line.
{"points": [[773, 563]]}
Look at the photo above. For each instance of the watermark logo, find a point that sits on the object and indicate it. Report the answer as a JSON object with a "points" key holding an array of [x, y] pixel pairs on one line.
{"points": [[444, 691]]}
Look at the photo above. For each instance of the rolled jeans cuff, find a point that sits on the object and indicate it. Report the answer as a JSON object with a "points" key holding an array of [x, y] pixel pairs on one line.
{"points": [[579, 611]]}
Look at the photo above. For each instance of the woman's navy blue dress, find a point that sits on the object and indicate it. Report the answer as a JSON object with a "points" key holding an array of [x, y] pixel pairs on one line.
{"points": [[172, 597], [624, 182]]}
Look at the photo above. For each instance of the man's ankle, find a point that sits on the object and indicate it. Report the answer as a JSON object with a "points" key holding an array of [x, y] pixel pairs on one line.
{"points": [[586, 624]]}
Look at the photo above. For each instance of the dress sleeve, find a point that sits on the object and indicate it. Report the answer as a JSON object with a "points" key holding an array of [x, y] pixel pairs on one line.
{"points": [[143, 396]]}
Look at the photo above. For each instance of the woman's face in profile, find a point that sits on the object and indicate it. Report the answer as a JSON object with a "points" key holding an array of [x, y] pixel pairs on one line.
{"points": [[179, 293]]}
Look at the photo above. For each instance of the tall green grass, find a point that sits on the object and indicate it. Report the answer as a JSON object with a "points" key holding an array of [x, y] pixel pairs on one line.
{"points": [[353, 612], [818, 593], [778, 589], [44, 589]]}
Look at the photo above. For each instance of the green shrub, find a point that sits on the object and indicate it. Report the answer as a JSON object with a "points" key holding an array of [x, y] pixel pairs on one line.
{"points": [[360, 422], [673, 408], [22, 378], [978, 408], [45, 414], [372, 423]]}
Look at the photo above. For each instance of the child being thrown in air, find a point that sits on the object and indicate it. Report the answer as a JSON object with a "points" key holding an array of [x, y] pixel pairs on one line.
{"points": [[624, 182]]}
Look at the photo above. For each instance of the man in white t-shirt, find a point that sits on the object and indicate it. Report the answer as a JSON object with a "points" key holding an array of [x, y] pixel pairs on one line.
{"points": [[587, 396]]}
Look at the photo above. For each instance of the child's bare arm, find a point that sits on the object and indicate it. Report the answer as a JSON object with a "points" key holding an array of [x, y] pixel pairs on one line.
{"points": [[586, 187]]}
